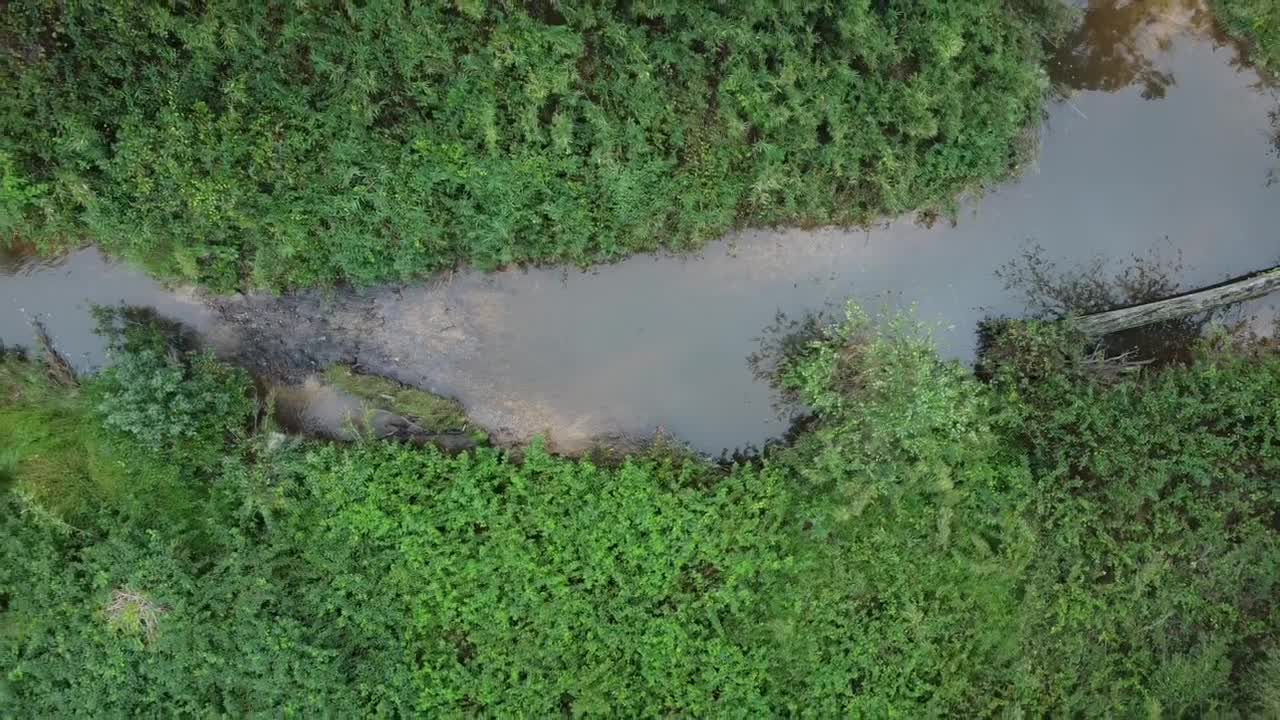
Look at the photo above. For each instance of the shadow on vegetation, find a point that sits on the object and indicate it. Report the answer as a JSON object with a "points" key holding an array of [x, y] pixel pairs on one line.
{"points": [[126, 327]]}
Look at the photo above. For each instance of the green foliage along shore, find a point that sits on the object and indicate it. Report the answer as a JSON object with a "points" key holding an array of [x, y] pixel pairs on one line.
{"points": [[1258, 21], [1053, 542], [301, 144]]}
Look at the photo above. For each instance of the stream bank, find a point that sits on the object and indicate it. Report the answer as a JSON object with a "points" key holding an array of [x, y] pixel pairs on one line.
{"points": [[1164, 143]]}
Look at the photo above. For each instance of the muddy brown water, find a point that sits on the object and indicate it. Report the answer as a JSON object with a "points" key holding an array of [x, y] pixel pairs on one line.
{"points": [[1166, 140]]}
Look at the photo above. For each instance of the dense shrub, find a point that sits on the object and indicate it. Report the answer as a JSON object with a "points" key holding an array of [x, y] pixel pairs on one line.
{"points": [[1159, 504], [309, 143], [547, 586], [186, 405], [913, 540], [1157, 570], [226, 638], [1053, 542], [164, 393]]}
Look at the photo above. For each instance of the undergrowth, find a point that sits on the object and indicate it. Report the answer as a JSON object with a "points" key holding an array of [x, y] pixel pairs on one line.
{"points": [[1052, 541]]}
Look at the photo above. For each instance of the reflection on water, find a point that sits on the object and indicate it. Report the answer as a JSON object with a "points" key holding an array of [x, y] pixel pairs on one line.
{"points": [[21, 259], [1125, 43], [60, 292], [1052, 292], [664, 341], [1273, 175]]}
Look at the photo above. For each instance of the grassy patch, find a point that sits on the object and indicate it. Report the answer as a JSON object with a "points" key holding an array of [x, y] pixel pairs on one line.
{"points": [[433, 412], [63, 458], [44, 439]]}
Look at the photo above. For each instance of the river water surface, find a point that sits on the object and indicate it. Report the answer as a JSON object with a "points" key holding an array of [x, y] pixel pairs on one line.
{"points": [[1166, 141]]}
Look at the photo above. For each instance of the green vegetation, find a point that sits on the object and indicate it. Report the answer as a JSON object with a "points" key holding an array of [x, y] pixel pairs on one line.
{"points": [[433, 412], [1056, 541], [302, 144], [1257, 20], [46, 440]]}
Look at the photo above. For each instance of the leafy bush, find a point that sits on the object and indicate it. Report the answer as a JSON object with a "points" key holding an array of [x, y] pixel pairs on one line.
{"points": [[174, 404], [69, 466], [288, 144], [914, 544], [17, 195], [1113, 535]]}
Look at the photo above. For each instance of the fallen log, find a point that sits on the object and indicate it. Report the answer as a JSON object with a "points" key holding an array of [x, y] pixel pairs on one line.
{"points": [[1194, 302]]}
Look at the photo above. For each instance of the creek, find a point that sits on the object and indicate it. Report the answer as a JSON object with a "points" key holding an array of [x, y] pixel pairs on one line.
{"points": [[1165, 141]]}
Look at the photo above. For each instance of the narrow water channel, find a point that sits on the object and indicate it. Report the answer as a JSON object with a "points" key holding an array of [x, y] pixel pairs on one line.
{"points": [[1166, 142]]}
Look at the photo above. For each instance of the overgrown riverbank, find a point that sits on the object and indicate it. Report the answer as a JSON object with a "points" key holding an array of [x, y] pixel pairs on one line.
{"points": [[1053, 541], [1063, 537], [289, 145]]}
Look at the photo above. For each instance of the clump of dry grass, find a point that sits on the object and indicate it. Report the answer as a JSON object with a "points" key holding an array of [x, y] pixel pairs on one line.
{"points": [[135, 613]]}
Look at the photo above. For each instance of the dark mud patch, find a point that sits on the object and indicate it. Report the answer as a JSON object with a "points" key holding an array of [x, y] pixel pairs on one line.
{"points": [[290, 338]]}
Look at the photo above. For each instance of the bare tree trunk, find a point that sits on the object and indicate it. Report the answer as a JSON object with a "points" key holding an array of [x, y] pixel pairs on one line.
{"points": [[1191, 303]]}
